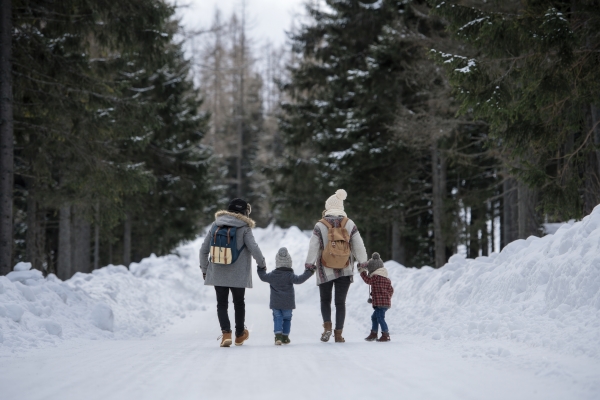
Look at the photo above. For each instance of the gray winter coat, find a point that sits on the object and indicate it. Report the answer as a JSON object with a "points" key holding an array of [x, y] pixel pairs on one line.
{"points": [[282, 282], [238, 274]]}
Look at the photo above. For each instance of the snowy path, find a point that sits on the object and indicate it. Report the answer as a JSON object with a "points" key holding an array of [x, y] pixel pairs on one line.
{"points": [[522, 324], [186, 363]]}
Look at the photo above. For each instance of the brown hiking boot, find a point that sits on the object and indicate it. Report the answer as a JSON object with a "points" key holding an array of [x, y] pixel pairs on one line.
{"points": [[338, 336], [385, 337], [326, 332], [225, 339], [239, 340], [372, 336]]}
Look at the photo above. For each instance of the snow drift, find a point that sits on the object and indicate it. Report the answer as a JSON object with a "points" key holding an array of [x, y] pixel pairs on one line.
{"points": [[540, 291], [111, 302]]}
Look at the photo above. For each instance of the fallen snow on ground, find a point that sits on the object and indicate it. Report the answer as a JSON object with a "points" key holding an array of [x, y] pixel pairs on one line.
{"points": [[522, 324], [111, 302], [543, 292]]}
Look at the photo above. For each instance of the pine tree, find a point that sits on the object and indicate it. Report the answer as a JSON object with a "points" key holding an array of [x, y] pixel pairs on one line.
{"points": [[174, 209], [370, 111], [535, 79], [105, 113]]}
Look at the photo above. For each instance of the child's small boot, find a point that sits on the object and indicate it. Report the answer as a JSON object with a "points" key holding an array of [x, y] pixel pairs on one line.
{"points": [[338, 336], [278, 339], [372, 336], [385, 337], [285, 339]]}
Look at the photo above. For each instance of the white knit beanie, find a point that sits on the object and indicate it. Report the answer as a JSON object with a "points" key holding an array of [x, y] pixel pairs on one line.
{"points": [[335, 204]]}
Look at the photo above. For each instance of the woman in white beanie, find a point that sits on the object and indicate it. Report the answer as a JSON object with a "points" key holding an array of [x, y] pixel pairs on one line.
{"points": [[334, 218]]}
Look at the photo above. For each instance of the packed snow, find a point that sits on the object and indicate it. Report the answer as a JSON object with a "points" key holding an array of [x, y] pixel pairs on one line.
{"points": [[535, 307]]}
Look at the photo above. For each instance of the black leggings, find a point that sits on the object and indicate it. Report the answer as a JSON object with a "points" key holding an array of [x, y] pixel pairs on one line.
{"points": [[342, 284], [238, 304]]}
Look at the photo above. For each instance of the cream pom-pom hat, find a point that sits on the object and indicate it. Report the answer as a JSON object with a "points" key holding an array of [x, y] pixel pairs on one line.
{"points": [[335, 204]]}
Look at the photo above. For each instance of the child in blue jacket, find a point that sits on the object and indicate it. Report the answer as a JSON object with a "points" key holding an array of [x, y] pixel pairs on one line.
{"points": [[283, 298]]}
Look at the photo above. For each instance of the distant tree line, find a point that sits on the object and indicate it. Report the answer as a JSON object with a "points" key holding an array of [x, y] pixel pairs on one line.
{"points": [[237, 76], [453, 125], [108, 165]]}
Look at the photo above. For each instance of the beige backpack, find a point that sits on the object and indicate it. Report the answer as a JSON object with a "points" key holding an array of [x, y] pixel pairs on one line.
{"points": [[336, 253]]}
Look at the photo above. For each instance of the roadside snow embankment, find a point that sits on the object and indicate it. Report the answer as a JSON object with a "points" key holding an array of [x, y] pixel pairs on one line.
{"points": [[111, 302], [540, 291]]}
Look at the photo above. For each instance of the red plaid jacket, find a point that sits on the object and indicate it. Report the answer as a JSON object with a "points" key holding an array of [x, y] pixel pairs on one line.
{"points": [[381, 289]]}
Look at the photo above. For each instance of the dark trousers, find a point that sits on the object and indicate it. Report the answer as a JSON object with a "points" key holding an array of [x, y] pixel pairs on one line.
{"points": [[342, 285], [238, 305]]}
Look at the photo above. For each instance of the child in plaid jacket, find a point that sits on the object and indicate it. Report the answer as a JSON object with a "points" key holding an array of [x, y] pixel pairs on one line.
{"points": [[376, 275]]}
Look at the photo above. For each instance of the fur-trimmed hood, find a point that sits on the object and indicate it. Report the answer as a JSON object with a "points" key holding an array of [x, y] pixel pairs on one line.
{"points": [[224, 214]]}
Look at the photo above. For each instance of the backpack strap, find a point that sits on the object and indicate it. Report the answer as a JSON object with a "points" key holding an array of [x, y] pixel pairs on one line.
{"points": [[344, 221], [326, 223], [216, 229]]}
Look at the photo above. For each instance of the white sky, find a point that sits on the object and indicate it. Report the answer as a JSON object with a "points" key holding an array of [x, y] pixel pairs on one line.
{"points": [[267, 19]]}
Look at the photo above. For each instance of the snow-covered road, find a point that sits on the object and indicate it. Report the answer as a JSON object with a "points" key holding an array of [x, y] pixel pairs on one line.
{"points": [[522, 324], [186, 363]]}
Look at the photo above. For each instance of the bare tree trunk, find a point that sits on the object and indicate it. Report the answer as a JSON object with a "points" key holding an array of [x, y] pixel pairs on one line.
{"points": [[596, 125], [6, 139], [474, 241], [32, 239], [81, 234], [63, 270], [242, 69], [438, 169], [127, 240], [509, 224], [527, 217], [591, 196], [97, 237], [484, 234], [398, 247], [493, 226]]}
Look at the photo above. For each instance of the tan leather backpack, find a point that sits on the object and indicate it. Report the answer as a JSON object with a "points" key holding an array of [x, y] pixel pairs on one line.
{"points": [[336, 253]]}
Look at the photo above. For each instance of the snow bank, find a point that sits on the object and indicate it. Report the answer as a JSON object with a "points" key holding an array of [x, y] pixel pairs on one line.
{"points": [[111, 302], [539, 291]]}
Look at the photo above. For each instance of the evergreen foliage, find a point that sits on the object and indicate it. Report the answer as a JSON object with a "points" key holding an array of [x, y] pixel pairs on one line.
{"points": [[366, 105], [106, 125], [535, 79]]}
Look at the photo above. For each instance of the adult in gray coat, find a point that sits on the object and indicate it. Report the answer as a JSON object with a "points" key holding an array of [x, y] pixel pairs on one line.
{"points": [[235, 277]]}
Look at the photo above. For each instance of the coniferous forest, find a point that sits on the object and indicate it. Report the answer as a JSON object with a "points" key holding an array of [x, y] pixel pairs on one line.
{"points": [[454, 126]]}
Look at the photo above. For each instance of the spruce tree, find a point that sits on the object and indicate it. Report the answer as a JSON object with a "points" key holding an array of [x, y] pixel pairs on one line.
{"points": [[535, 79], [105, 112]]}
